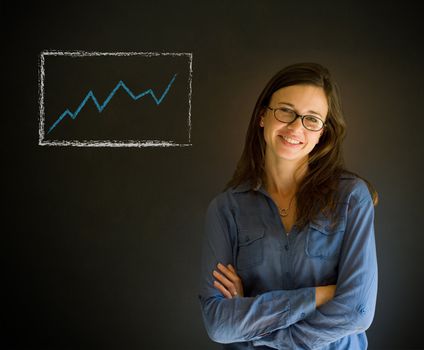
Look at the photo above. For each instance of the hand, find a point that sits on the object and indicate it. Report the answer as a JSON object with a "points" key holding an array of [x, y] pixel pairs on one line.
{"points": [[227, 281], [324, 294]]}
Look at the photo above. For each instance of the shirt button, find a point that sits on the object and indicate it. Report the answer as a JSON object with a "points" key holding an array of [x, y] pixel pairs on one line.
{"points": [[286, 247]]}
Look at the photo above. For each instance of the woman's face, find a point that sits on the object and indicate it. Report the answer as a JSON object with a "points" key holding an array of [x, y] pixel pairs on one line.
{"points": [[292, 141]]}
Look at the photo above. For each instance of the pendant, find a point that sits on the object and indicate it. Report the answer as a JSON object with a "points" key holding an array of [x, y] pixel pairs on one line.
{"points": [[284, 212]]}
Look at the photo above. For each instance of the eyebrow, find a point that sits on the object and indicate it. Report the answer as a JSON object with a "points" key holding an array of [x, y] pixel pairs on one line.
{"points": [[292, 105]]}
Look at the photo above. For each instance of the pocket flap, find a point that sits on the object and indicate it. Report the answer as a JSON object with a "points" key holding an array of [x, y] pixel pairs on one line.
{"points": [[326, 227], [247, 237]]}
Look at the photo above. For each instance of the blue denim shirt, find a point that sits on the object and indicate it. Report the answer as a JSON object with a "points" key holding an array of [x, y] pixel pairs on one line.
{"points": [[280, 271]]}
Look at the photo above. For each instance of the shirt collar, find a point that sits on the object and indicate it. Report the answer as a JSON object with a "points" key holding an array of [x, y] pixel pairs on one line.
{"points": [[247, 186]]}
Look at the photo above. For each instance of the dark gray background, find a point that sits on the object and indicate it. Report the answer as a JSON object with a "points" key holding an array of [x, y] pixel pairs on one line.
{"points": [[102, 246]]}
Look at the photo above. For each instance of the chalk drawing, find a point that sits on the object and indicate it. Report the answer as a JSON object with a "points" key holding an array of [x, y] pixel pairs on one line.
{"points": [[100, 107]]}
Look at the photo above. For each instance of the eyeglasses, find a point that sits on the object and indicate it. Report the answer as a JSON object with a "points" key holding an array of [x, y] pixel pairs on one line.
{"points": [[287, 115]]}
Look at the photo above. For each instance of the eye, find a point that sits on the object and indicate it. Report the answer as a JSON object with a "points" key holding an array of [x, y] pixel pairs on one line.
{"points": [[286, 110], [311, 119]]}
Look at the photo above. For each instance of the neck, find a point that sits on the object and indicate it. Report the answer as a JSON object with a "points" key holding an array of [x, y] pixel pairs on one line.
{"points": [[283, 176]]}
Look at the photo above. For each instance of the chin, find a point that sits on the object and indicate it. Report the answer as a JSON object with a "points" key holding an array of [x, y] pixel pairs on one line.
{"points": [[292, 158]]}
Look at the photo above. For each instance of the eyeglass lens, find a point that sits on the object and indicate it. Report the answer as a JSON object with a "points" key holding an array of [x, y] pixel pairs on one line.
{"points": [[310, 122]]}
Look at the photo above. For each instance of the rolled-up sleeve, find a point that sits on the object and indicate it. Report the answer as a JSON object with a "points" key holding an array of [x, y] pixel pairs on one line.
{"points": [[352, 309], [247, 318]]}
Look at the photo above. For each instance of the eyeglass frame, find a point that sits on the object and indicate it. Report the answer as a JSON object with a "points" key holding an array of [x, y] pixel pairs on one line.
{"points": [[298, 116]]}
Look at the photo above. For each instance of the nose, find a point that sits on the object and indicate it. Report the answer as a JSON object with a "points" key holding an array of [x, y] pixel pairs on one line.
{"points": [[295, 124]]}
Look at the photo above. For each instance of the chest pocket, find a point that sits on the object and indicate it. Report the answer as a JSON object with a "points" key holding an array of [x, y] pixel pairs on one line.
{"points": [[324, 241], [250, 248]]}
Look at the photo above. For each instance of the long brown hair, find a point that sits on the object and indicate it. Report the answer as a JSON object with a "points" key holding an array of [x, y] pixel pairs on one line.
{"points": [[317, 190]]}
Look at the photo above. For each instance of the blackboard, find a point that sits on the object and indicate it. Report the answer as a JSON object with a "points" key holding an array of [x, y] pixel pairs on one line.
{"points": [[101, 245]]}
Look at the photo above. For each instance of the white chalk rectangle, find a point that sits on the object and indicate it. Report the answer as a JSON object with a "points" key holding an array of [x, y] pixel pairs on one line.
{"points": [[66, 116]]}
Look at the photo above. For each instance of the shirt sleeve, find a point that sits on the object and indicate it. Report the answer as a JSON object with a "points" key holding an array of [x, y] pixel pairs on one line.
{"points": [[352, 309], [247, 318]]}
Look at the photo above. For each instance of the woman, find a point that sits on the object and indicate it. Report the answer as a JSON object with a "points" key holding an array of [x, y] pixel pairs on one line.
{"points": [[289, 258]]}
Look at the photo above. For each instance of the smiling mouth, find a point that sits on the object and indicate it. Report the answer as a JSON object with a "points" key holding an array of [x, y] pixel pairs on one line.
{"points": [[290, 140]]}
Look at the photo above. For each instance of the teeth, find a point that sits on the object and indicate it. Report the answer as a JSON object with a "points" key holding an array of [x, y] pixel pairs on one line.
{"points": [[290, 140]]}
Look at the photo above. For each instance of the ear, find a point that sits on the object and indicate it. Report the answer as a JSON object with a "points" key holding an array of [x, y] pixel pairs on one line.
{"points": [[261, 122]]}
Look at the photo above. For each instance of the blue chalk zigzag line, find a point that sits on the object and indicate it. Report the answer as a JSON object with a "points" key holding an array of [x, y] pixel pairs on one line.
{"points": [[100, 108]]}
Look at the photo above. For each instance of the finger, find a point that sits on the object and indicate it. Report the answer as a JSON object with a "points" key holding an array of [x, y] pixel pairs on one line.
{"points": [[230, 273], [227, 272], [222, 289], [225, 282], [237, 281], [231, 268], [227, 293], [223, 279]]}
